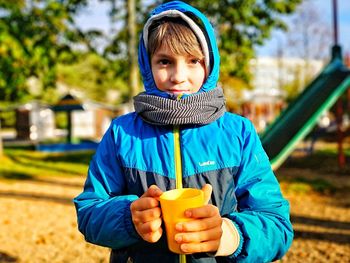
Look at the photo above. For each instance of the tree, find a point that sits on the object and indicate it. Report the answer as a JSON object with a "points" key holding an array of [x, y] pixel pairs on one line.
{"points": [[34, 35], [95, 77], [1, 145], [309, 38], [132, 31], [129, 16]]}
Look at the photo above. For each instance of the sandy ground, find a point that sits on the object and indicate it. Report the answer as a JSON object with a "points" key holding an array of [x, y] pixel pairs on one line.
{"points": [[321, 221], [38, 223]]}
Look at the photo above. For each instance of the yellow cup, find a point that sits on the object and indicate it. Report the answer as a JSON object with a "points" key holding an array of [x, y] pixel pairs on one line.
{"points": [[173, 204]]}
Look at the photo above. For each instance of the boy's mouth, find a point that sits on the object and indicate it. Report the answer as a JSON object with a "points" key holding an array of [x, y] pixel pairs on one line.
{"points": [[178, 91]]}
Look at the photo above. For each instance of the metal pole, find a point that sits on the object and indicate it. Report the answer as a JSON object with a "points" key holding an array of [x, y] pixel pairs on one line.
{"points": [[69, 126], [340, 134], [339, 105], [348, 99], [335, 22]]}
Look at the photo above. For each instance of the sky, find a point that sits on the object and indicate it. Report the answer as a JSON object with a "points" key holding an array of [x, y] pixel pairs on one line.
{"points": [[96, 17], [325, 10]]}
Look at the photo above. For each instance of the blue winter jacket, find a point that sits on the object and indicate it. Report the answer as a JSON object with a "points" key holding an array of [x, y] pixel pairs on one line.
{"points": [[226, 153]]}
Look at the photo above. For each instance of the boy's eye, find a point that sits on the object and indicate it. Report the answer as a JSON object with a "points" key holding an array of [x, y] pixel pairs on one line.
{"points": [[195, 60], [164, 61]]}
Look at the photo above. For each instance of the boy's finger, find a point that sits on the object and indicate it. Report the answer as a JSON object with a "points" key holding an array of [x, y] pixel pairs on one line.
{"points": [[153, 237], [150, 227], [153, 191], [207, 189], [202, 212], [210, 246], [200, 236], [144, 203], [199, 225], [148, 214]]}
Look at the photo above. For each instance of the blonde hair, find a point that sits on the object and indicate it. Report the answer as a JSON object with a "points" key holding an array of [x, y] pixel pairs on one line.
{"points": [[176, 35]]}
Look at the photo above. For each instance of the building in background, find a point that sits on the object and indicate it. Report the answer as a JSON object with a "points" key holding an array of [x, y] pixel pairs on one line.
{"points": [[86, 120], [271, 78], [36, 122], [33, 121], [93, 121]]}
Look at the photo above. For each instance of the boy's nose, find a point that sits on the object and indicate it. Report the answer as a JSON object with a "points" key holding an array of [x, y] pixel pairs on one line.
{"points": [[179, 73]]}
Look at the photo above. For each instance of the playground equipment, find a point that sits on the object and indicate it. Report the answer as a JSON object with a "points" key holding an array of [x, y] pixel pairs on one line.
{"points": [[296, 121]]}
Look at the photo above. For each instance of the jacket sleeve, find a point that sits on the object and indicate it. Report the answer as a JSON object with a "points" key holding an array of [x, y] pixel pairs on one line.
{"points": [[104, 216], [263, 214]]}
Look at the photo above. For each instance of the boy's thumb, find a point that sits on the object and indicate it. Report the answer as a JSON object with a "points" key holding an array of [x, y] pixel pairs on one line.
{"points": [[207, 189], [153, 191]]}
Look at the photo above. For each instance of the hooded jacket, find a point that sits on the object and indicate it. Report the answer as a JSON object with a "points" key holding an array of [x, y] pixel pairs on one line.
{"points": [[226, 153]]}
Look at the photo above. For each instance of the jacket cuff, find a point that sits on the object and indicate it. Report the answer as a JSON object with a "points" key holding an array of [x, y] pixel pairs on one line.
{"points": [[231, 233], [241, 239]]}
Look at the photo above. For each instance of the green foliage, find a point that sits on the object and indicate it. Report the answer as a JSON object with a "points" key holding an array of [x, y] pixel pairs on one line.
{"points": [[95, 76], [39, 38], [33, 36], [117, 47], [61, 120], [305, 185], [7, 119], [122, 49], [26, 164]]}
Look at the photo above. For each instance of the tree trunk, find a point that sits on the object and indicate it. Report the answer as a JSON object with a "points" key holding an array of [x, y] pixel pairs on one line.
{"points": [[1, 145], [134, 76]]}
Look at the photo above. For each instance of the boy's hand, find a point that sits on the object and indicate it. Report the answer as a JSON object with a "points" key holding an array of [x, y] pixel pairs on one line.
{"points": [[203, 234], [146, 215]]}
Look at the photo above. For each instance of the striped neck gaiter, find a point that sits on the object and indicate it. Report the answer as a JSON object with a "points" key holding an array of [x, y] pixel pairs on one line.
{"points": [[198, 108]]}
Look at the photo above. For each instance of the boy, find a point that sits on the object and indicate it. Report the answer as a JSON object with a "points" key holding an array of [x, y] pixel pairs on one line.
{"points": [[180, 135]]}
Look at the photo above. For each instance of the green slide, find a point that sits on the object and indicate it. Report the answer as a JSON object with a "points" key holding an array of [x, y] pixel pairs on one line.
{"points": [[296, 121]]}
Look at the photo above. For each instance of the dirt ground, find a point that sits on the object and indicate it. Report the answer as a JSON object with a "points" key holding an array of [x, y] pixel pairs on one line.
{"points": [[321, 222], [38, 221]]}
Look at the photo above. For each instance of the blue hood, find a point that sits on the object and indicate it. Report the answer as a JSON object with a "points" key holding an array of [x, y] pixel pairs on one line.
{"points": [[144, 61]]}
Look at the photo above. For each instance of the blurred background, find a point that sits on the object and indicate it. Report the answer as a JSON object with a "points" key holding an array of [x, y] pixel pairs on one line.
{"points": [[68, 67]]}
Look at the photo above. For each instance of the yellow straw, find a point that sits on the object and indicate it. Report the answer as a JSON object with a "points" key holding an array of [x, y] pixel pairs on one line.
{"points": [[178, 171]]}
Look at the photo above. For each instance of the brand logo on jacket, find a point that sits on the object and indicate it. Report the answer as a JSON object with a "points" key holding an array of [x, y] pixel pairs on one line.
{"points": [[207, 163]]}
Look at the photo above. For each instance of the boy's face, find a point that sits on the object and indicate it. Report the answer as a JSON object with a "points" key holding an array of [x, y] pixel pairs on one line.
{"points": [[177, 74]]}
